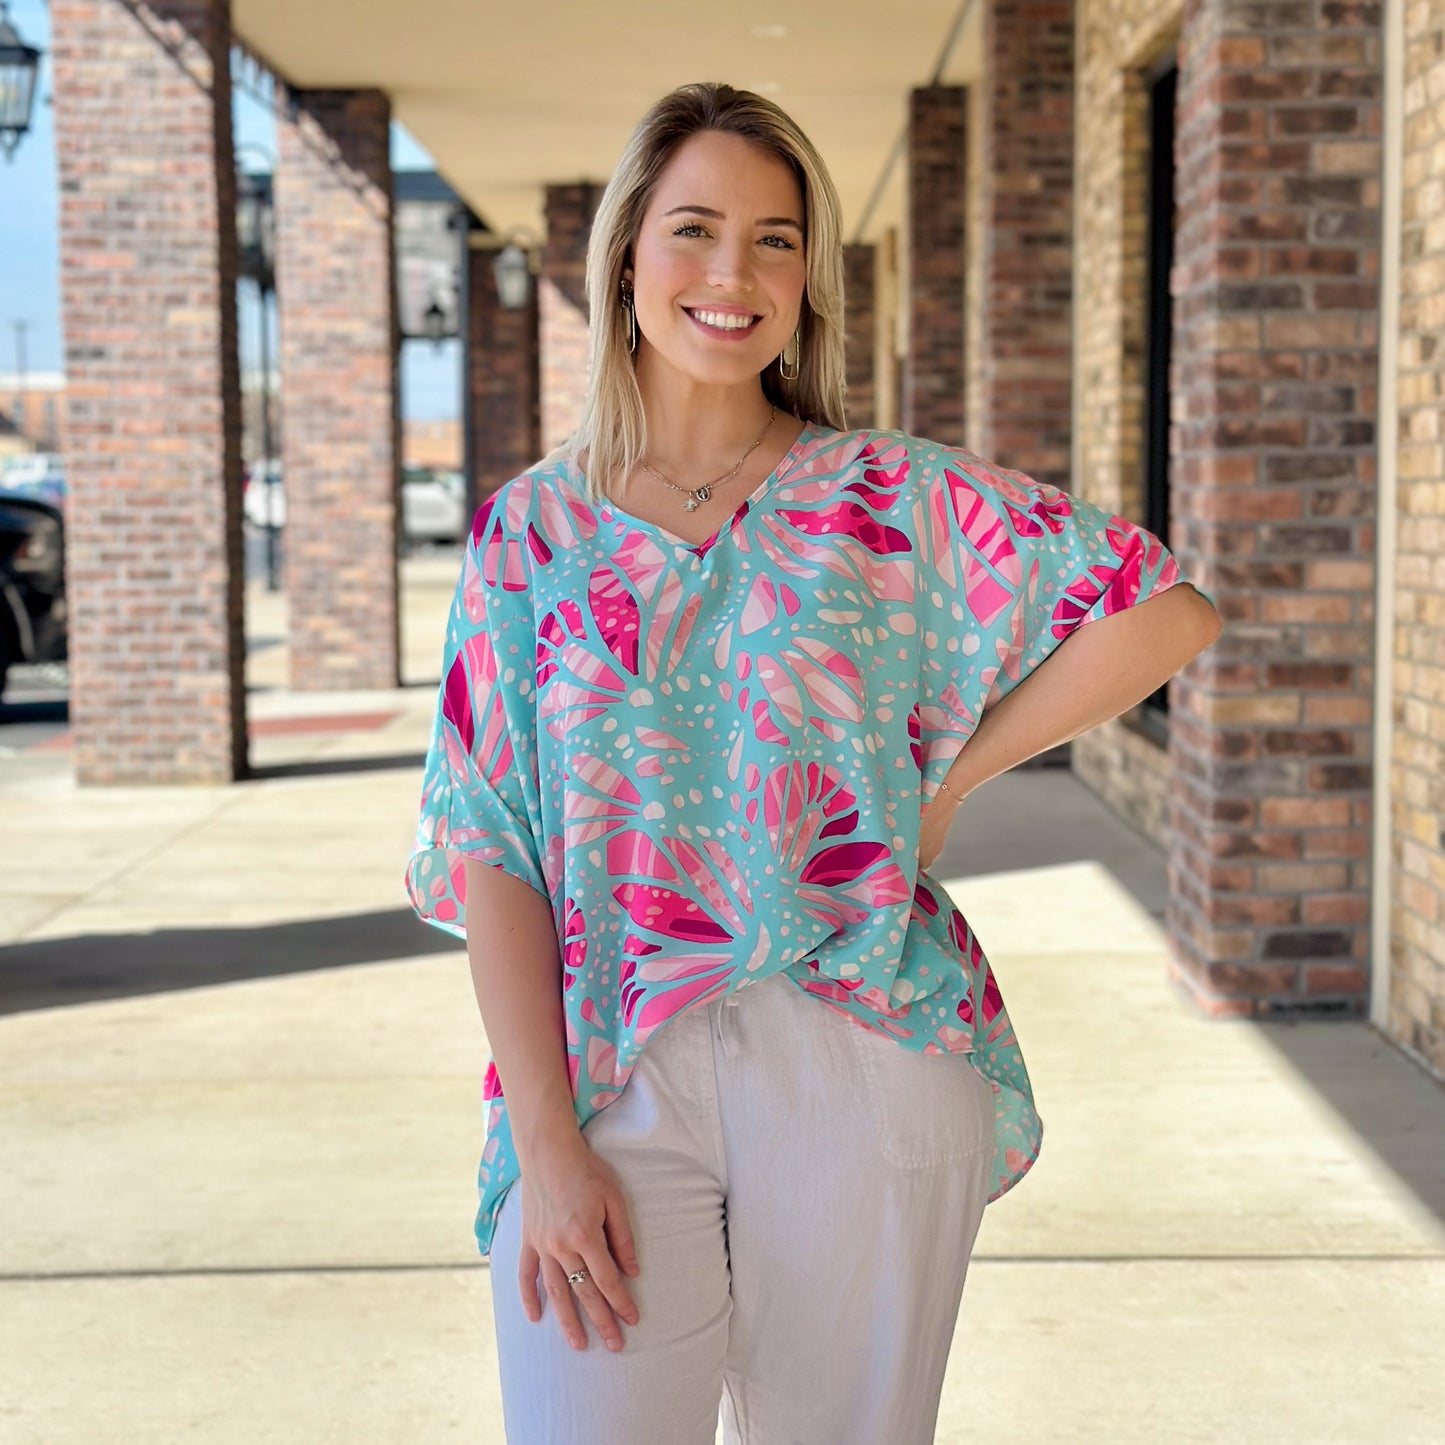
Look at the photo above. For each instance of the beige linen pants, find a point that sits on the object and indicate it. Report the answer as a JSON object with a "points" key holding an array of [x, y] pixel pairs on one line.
{"points": [[805, 1195]]}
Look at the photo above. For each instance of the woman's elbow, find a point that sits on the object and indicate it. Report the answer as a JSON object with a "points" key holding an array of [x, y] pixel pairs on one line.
{"points": [[1211, 622]]}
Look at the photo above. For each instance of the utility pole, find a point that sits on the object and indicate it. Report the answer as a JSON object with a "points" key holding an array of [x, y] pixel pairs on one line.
{"points": [[22, 413]]}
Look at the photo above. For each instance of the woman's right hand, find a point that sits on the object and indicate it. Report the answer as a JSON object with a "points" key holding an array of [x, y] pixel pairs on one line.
{"points": [[574, 1215], [937, 819]]}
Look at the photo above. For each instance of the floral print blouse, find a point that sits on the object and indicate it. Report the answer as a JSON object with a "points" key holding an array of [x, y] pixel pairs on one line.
{"points": [[712, 760]]}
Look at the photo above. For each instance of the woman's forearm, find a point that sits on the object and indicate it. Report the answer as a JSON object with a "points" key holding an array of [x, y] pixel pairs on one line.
{"points": [[517, 976], [1101, 669]]}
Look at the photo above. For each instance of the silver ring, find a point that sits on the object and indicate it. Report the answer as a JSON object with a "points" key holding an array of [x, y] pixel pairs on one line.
{"points": [[577, 1276]]}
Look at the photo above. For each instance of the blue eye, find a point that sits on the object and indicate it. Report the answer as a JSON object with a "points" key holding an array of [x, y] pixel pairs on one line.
{"points": [[696, 226]]}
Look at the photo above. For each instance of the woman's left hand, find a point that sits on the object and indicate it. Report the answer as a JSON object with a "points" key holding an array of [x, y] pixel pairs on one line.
{"points": [[933, 833]]}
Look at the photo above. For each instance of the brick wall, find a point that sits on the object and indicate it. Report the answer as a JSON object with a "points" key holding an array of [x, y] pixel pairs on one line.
{"points": [[562, 308], [1026, 186], [933, 371], [1275, 364], [1416, 1011], [1119, 40], [886, 367], [506, 437], [977, 241], [153, 455], [858, 317], [339, 344]]}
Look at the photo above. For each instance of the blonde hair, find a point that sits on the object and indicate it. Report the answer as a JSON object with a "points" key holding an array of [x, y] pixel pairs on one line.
{"points": [[613, 428]]}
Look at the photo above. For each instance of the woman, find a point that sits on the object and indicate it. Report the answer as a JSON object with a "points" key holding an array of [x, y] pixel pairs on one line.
{"points": [[710, 672]]}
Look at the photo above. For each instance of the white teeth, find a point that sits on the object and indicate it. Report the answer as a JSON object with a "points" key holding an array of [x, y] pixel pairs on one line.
{"points": [[724, 321]]}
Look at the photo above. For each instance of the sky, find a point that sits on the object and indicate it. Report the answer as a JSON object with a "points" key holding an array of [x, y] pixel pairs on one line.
{"points": [[29, 239]]}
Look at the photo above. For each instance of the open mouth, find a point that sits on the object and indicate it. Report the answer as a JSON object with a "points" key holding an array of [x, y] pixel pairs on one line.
{"points": [[721, 323]]}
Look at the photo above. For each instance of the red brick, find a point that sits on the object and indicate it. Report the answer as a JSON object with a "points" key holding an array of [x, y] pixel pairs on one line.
{"points": [[1335, 908], [340, 447], [143, 148], [1253, 979], [562, 320], [1335, 978], [1023, 384], [858, 322], [504, 383], [933, 386]]}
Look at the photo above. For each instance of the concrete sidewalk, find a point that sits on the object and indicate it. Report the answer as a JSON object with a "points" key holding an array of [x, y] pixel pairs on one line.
{"points": [[240, 1116]]}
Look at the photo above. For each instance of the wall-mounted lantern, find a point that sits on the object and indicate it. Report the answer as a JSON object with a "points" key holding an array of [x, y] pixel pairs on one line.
{"points": [[512, 267], [19, 63], [436, 324]]}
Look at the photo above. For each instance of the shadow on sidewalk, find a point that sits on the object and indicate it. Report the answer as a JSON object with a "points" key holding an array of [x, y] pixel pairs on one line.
{"points": [[1389, 1100], [54, 972], [1044, 818], [320, 767]]}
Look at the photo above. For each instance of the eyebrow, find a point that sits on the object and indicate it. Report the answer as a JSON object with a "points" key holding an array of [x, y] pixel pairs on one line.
{"points": [[718, 216]]}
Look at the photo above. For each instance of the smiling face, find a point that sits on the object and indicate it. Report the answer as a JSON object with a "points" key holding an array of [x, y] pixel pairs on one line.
{"points": [[720, 243]]}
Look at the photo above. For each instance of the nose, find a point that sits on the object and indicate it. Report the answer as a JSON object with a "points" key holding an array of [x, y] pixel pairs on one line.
{"points": [[730, 264]]}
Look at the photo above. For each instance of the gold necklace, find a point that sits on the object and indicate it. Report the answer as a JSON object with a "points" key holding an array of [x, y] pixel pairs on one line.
{"points": [[697, 495]]}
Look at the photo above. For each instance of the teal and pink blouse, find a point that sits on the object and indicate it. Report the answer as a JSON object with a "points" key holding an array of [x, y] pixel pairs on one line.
{"points": [[712, 760]]}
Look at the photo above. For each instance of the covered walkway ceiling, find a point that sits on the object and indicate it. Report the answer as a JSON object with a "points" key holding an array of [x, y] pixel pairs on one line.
{"points": [[510, 97]]}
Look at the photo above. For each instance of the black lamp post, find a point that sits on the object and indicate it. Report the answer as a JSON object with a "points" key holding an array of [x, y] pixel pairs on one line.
{"points": [[434, 322], [256, 240], [256, 227], [19, 63]]}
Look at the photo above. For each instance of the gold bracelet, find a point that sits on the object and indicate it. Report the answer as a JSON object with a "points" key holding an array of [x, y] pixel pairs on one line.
{"points": [[949, 791]]}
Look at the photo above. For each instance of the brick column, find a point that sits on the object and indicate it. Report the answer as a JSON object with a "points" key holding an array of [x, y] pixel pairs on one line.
{"points": [[1274, 380], [886, 370], [562, 308], [860, 339], [339, 345], [504, 379], [153, 452], [1416, 1007], [933, 373], [1026, 205]]}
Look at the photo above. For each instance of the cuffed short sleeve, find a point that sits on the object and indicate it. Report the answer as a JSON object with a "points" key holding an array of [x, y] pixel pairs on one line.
{"points": [[1035, 562], [483, 745]]}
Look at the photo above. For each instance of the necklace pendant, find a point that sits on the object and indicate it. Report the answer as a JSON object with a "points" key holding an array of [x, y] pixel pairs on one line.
{"points": [[700, 495], [690, 505]]}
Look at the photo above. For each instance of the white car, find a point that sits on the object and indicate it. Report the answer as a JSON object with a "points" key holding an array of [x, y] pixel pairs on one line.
{"points": [[30, 469], [40, 475], [433, 503], [263, 491]]}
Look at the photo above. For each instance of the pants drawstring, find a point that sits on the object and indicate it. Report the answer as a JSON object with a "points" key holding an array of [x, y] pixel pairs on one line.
{"points": [[725, 1007]]}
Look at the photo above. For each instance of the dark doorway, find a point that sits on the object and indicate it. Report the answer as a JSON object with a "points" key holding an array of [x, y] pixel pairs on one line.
{"points": [[1162, 82]]}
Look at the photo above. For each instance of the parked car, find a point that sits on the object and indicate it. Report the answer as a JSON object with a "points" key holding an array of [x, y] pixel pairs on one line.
{"points": [[433, 503], [32, 582], [261, 489], [35, 474]]}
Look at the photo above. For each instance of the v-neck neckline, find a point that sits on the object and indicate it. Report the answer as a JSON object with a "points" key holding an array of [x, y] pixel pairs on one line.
{"points": [[609, 511]]}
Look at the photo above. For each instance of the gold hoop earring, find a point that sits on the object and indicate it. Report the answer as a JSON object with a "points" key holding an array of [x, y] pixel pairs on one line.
{"points": [[797, 345]]}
